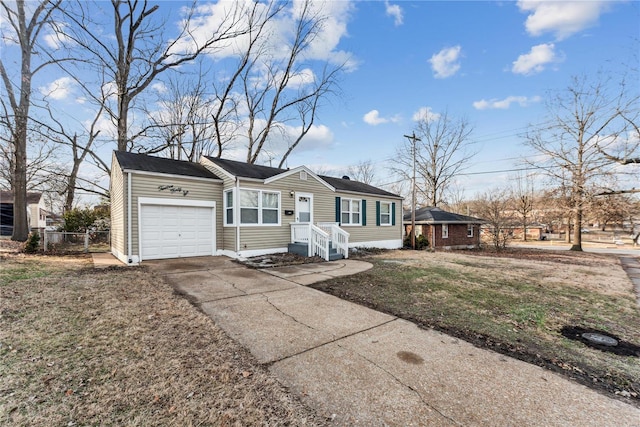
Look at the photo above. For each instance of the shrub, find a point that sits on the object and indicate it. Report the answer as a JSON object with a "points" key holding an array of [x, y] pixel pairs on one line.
{"points": [[421, 242], [79, 220], [33, 243]]}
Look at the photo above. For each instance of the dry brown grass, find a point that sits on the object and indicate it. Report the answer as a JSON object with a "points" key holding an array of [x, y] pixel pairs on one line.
{"points": [[515, 302], [80, 346]]}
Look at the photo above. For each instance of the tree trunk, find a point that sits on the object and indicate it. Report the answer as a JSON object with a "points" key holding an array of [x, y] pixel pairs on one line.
{"points": [[20, 220], [577, 225], [123, 113]]}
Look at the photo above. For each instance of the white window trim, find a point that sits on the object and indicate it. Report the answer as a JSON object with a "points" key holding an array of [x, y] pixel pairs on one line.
{"points": [[225, 207], [382, 224], [259, 224], [470, 230], [445, 231], [351, 212]]}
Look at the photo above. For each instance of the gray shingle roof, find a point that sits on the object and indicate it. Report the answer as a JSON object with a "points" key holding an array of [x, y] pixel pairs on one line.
{"points": [[437, 215], [342, 184], [246, 170], [146, 163], [7, 197]]}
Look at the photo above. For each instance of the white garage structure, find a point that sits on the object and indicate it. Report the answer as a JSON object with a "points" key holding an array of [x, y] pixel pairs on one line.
{"points": [[176, 228]]}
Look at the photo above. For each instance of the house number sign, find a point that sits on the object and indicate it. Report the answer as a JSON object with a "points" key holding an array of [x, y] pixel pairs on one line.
{"points": [[173, 189]]}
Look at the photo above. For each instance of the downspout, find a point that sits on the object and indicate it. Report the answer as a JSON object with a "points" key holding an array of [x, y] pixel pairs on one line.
{"points": [[236, 213], [129, 245]]}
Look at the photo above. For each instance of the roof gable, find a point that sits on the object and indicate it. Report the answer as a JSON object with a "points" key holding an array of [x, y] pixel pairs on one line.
{"points": [[250, 171], [147, 163]]}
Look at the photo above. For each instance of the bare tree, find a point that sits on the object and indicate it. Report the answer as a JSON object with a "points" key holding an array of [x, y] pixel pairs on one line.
{"points": [[363, 171], [139, 52], [613, 209], [183, 123], [443, 152], [16, 99], [278, 88], [584, 121], [81, 146], [522, 193], [494, 207]]}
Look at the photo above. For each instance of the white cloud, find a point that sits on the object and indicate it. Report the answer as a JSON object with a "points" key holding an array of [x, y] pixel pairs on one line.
{"points": [[425, 114], [562, 18], [534, 61], [301, 79], [446, 62], [278, 33], [57, 38], [159, 87], [503, 104], [395, 11], [58, 89], [373, 118]]}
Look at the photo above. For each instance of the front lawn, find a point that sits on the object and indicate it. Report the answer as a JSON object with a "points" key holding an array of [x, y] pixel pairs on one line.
{"points": [[516, 304], [80, 346]]}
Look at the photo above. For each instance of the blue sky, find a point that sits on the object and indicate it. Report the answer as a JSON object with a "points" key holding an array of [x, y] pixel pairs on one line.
{"points": [[396, 78], [492, 62]]}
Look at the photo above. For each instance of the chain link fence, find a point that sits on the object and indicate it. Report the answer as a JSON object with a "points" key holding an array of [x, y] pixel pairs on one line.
{"points": [[66, 242]]}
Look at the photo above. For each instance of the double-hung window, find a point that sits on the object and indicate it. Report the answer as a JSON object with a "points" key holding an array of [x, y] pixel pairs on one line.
{"points": [[385, 213], [228, 208], [445, 231], [469, 230], [350, 212], [259, 207]]}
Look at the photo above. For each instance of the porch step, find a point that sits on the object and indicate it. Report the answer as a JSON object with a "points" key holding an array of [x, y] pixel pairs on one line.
{"points": [[301, 249]]}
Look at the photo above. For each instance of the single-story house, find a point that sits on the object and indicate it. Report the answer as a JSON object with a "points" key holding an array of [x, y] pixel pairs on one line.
{"points": [[164, 208], [36, 212], [444, 229]]}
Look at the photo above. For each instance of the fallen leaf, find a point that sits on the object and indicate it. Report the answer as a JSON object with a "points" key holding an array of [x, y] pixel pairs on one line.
{"points": [[69, 392], [246, 374]]}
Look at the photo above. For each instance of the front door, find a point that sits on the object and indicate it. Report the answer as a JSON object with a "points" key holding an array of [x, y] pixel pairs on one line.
{"points": [[304, 207]]}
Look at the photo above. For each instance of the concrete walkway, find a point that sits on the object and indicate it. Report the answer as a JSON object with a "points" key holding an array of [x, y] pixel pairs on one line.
{"points": [[631, 266], [358, 366]]}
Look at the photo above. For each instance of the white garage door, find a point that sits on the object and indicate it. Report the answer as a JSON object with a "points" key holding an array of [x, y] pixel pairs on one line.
{"points": [[176, 231]]}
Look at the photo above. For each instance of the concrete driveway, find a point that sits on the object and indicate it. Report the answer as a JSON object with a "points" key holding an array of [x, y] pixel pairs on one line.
{"points": [[358, 366]]}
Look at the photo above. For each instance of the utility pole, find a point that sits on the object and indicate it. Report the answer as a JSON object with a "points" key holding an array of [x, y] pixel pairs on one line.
{"points": [[413, 140]]}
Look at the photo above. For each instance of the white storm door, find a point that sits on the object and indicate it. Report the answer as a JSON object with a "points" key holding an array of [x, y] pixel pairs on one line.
{"points": [[304, 207]]}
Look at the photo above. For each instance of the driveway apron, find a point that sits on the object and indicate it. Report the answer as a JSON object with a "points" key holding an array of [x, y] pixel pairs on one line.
{"points": [[357, 366]]}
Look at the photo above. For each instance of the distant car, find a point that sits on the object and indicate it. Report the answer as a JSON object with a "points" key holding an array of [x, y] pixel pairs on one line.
{"points": [[584, 230]]}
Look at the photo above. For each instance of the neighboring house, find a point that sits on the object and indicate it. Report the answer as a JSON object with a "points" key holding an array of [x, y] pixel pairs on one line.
{"points": [[444, 229], [36, 212], [163, 208]]}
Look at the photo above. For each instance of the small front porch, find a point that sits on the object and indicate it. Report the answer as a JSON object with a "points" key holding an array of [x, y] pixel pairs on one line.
{"points": [[324, 239]]}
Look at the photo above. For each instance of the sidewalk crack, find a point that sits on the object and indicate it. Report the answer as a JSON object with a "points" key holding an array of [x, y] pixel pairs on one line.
{"points": [[413, 389], [266, 298]]}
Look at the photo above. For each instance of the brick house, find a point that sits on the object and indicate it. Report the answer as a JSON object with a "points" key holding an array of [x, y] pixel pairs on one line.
{"points": [[445, 230]]}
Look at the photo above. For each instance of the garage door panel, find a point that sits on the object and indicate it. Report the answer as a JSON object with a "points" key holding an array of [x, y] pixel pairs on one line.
{"points": [[176, 231]]}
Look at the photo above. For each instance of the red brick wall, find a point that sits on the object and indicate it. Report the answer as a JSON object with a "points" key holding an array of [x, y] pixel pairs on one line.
{"points": [[457, 236]]}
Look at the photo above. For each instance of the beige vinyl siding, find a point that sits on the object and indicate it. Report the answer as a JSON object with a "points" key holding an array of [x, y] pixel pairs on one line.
{"points": [[227, 234], [257, 237], [372, 232], [147, 186], [118, 209]]}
